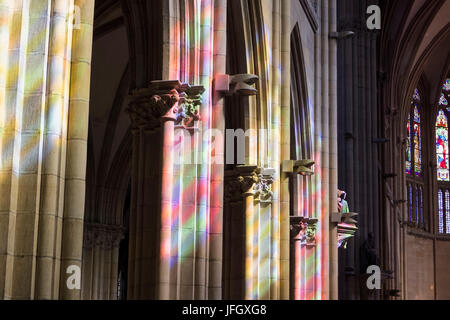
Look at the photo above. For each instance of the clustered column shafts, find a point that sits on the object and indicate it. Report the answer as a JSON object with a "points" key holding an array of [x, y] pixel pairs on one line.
{"points": [[153, 233], [285, 101], [357, 109], [217, 169], [325, 157], [100, 261], [176, 238], [248, 196], [77, 134], [318, 146], [333, 153], [43, 139]]}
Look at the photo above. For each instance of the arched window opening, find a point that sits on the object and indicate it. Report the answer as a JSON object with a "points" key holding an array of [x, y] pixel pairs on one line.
{"points": [[414, 161], [442, 156], [417, 143], [414, 141], [442, 147]]}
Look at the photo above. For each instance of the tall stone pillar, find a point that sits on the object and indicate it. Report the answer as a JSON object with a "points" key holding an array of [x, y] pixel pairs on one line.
{"points": [[155, 256], [44, 107], [357, 137], [247, 245], [247, 180], [333, 153], [77, 136]]}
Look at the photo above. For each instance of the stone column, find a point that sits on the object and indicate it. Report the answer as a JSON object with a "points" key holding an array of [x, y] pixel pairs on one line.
{"points": [[333, 163], [217, 169], [285, 59], [248, 267], [77, 136], [154, 253], [100, 261], [262, 241], [325, 156], [357, 135], [151, 112], [44, 103], [247, 179]]}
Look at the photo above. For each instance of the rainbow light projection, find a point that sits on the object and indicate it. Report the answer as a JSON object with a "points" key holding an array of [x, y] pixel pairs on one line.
{"points": [[195, 191], [43, 71], [41, 75], [187, 185]]}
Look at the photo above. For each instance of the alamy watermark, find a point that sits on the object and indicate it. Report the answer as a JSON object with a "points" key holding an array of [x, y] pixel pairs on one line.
{"points": [[237, 143], [74, 279], [374, 280], [374, 19]]}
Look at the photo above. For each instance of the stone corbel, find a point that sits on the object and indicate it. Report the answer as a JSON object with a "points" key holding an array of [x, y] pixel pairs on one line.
{"points": [[301, 167], [303, 230], [242, 84]]}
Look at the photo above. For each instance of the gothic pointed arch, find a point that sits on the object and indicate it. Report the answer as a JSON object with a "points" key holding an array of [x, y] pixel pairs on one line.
{"points": [[415, 171], [145, 39]]}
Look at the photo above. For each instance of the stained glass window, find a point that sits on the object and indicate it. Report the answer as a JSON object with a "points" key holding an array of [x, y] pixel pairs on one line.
{"points": [[441, 211], [417, 143], [416, 95], [421, 221], [442, 154], [414, 139], [410, 203], [408, 147], [442, 147], [416, 218], [443, 101], [446, 86], [447, 212], [445, 95], [444, 211]]}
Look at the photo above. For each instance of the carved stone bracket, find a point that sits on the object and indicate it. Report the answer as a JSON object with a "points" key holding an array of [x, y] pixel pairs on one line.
{"points": [[165, 101], [304, 230], [345, 233], [102, 236]]}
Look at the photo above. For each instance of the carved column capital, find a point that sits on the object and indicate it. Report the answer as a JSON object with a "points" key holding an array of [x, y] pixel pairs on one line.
{"points": [[240, 182], [304, 230], [263, 187], [246, 181], [191, 105], [165, 101]]}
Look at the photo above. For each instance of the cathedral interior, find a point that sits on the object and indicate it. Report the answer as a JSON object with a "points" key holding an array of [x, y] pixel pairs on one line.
{"points": [[224, 149]]}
